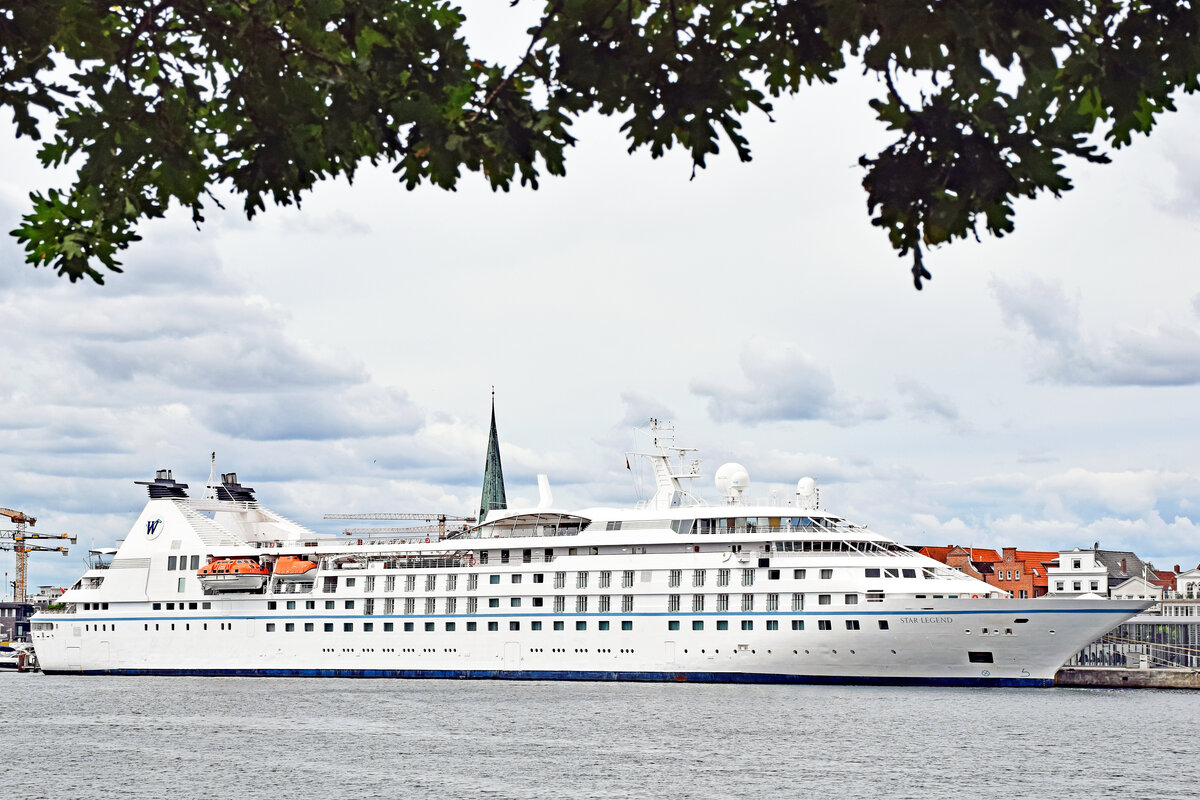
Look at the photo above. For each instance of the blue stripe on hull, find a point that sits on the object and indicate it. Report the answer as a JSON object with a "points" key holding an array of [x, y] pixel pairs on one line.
{"points": [[565, 675]]}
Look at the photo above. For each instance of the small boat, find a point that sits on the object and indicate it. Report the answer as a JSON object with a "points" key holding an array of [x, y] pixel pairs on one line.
{"points": [[8, 657], [18, 656], [293, 568], [233, 575]]}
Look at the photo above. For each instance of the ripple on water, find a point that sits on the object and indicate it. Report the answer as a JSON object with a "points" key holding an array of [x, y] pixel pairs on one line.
{"points": [[226, 738]]}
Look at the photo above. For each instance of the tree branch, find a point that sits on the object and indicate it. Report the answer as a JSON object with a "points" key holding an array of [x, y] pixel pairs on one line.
{"points": [[534, 38]]}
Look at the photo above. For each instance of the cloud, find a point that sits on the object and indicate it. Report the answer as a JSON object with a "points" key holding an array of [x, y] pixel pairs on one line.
{"points": [[779, 466], [1129, 492], [165, 364], [1183, 198], [357, 412], [1163, 354], [781, 383], [639, 408], [339, 223], [924, 403]]}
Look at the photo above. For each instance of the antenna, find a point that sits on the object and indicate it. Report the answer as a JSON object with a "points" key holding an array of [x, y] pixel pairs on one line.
{"points": [[212, 477]]}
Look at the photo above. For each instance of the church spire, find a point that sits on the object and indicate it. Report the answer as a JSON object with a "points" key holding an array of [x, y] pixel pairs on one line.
{"points": [[493, 474]]}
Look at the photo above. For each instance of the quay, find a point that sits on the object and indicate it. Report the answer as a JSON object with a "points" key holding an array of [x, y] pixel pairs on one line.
{"points": [[1127, 678]]}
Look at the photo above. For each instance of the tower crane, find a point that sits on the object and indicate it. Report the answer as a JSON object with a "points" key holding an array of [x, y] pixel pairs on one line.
{"points": [[16, 539], [440, 519]]}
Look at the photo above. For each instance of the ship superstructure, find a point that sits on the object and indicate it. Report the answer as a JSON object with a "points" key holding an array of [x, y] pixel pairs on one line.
{"points": [[673, 589]]}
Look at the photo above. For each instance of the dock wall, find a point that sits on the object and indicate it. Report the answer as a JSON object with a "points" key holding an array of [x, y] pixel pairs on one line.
{"points": [[1123, 678]]}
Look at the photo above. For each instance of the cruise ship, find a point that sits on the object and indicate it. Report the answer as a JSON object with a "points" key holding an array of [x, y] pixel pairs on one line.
{"points": [[672, 589]]}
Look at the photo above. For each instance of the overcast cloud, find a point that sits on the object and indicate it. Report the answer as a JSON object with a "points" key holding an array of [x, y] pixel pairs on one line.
{"points": [[1160, 353], [781, 383]]}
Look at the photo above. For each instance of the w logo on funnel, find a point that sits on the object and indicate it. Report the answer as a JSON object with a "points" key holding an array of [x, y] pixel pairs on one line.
{"points": [[152, 527]]}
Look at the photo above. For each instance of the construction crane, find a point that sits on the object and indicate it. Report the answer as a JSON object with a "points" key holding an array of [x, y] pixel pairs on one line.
{"points": [[393, 531], [17, 539], [440, 519]]}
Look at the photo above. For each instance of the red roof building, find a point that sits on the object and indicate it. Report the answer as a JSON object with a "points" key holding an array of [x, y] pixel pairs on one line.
{"points": [[1165, 578], [967, 560], [1021, 572]]}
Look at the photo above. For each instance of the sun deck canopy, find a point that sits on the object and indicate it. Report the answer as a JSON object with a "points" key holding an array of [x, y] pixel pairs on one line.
{"points": [[543, 523]]}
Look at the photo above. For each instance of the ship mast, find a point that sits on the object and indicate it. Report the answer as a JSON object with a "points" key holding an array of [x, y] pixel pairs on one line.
{"points": [[669, 492]]}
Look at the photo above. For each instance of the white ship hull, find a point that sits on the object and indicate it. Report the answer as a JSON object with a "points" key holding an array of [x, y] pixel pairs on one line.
{"points": [[671, 592], [919, 647]]}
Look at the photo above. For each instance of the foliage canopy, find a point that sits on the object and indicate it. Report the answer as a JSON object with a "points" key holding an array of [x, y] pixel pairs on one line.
{"points": [[162, 101]]}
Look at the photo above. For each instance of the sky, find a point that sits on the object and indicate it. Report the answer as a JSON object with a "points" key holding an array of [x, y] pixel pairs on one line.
{"points": [[1041, 392]]}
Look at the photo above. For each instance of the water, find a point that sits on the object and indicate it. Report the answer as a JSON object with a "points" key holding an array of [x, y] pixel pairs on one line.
{"points": [[331, 738]]}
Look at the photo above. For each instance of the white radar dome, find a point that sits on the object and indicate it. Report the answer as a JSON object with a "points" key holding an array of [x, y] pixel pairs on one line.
{"points": [[732, 479], [806, 493]]}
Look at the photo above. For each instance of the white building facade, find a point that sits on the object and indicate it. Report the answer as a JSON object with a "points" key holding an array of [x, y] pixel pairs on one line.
{"points": [[1187, 584], [1077, 572]]}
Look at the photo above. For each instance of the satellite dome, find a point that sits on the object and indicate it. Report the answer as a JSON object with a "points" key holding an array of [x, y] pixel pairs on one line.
{"points": [[806, 492], [732, 479]]}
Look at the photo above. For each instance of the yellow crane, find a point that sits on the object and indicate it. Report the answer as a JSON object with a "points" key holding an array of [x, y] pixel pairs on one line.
{"points": [[16, 539]]}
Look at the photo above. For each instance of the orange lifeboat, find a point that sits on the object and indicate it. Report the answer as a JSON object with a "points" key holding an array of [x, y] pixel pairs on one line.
{"points": [[291, 568], [233, 575]]}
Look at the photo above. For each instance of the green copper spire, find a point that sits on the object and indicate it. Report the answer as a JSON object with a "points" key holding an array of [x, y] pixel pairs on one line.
{"points": [[493, 474]]}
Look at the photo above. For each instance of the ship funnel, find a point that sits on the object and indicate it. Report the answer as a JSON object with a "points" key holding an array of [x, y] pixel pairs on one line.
{"points": [[230, 489], [164, 486], [545, 496]]}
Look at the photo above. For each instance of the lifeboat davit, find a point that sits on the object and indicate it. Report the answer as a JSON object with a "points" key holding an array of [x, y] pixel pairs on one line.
{"points": [[291, 568], [233, 575]]}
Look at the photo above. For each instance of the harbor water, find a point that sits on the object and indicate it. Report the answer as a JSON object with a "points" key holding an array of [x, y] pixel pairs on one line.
{"points": [[123, 737]]}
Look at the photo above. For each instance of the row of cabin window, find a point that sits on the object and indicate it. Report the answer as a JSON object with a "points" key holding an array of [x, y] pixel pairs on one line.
{"points": [[582, 580], [559, 625], [872, 572], [505, 556], [409, 627], [581, 604], [834, 546], [742, 524], [773, 605], [534, 625], [450, 604], [773, 625], [181, 562]]}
